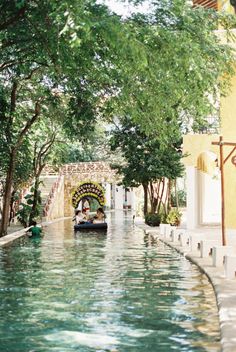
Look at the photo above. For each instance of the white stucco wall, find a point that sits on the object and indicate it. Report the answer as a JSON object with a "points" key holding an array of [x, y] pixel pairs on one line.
{"points": [[210, 201], [192, 197], [107, 187]]}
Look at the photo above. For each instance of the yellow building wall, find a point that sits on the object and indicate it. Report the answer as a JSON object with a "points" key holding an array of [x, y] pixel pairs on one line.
{"points": [[228, 131], [195, 144]]}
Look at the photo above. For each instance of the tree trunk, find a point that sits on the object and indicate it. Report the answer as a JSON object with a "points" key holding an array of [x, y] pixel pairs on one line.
{"points": [[155, 203], [151, 196], [161, 197], [7, 195], [176, 196], [12, 212], [145, 189], [169, 195], [158, 200]]}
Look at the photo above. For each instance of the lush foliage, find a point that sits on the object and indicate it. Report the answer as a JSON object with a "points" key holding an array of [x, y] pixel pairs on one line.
{"points": [[147, 162], [153, 219], [55, 64], [24, 214], [174, 217], [66, 65], [179, 199], [185, 69]]}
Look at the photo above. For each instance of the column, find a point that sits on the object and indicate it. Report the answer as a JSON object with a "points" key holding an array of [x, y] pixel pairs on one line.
{"points": [[107, 187], [119, 197], [132, 199]]}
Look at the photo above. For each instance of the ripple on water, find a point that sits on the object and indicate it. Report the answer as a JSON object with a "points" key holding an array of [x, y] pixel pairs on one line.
{"points": [[111, 292]]}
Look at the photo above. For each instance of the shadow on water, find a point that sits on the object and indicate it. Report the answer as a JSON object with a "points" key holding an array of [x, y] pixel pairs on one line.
{"points": [[103, 291]]}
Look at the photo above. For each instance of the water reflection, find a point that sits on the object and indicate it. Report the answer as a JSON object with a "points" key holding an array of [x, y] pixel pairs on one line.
{"points": [[117, 291]]}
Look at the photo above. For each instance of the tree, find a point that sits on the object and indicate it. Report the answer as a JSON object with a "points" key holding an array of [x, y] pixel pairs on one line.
{"points": [[185, 69], [147, 162], [46, 47], [17, 120], [103, 65]]}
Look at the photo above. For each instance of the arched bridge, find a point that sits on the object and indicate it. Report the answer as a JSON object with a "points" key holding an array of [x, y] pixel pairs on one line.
{"points": [[67, 180]]}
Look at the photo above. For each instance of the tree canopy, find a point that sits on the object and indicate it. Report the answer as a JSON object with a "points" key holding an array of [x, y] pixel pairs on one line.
{"points": [[184, 70], [73, 63], [146, 160]]}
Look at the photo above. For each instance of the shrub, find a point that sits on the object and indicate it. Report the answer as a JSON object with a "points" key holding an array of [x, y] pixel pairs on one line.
{"points": [[163, 216], [174, 217], [24, 214], [153, 219]]}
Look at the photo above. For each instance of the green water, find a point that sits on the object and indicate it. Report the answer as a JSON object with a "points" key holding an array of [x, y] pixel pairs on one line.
{"points": [[114, 292]]}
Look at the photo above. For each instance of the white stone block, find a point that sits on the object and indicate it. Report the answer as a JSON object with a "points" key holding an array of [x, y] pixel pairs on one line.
{"points": [[206, 247], [167, 232], [230, 266], [195, 240], [162, 229], [184, 239], [175, 234], [173, 228], [219, 252]]}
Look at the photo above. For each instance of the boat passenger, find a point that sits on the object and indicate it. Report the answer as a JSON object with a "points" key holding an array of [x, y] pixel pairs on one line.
{"points": [[85, 214], [99, 217], [79, 217]]}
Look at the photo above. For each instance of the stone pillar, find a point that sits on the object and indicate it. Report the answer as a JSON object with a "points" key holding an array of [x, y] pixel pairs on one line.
{"points": [[119, 197], [132, 199], [107, 187]]}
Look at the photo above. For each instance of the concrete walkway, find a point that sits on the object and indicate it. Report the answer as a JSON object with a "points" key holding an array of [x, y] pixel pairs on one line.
{"points": [[225, 289]]}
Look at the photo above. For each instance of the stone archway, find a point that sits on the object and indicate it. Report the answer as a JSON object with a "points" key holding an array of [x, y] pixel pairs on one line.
{"points": [[72, 175], [98, 173], [88, 189]]}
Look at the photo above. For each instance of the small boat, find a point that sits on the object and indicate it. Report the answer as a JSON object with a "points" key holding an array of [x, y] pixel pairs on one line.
{"points": [[91, 226]]}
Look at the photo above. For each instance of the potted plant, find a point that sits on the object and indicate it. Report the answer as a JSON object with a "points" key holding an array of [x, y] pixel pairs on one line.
{"points": [[174, 217]]}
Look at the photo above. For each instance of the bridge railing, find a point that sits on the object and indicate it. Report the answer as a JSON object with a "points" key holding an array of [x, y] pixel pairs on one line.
{"points": [[56, 188]]}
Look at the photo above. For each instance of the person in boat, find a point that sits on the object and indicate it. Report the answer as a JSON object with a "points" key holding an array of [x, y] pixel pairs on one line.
{"points": [[35, 230], [99, 217], [79, 217], [86, 214]]}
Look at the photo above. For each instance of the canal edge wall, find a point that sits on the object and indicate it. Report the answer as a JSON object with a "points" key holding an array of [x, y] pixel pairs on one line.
{"points": [[9, 239], [225, 289]]}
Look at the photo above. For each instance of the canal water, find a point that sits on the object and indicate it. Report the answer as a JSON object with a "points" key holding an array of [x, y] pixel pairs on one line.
{"points": [[116, 292]]}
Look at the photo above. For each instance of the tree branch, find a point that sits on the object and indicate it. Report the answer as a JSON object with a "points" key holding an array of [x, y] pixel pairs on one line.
{"points": [[28, 124], [43, 152], [32, 72], [12, 110], [13, 97]]}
